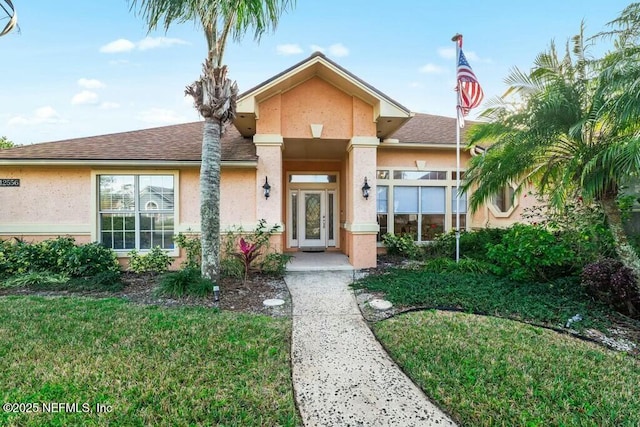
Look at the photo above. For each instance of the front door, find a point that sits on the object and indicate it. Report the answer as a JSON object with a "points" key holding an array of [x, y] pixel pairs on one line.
{"points": [[312, 218], [313, 221]]}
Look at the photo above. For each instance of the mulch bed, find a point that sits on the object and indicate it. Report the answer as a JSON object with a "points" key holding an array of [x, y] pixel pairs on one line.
{"points": [[234, 294]]}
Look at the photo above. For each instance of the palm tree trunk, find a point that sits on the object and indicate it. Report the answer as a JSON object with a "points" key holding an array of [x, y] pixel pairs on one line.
{"points": [[625, 251], [210, 198]]}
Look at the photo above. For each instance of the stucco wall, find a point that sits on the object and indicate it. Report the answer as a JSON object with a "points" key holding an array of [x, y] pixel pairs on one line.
{"points": [[290, 114], [433, 158], [57, 201], [236, 185]]}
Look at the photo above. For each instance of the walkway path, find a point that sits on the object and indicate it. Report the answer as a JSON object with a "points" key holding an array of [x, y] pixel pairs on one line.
{"points": [[341, 374]]}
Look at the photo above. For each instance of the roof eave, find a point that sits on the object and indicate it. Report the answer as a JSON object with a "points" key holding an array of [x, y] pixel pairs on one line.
{"points": [[141, 164]]}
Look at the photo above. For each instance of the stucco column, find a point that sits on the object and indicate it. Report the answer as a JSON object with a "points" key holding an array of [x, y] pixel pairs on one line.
{"points": [[269, 152], [361, 226]]}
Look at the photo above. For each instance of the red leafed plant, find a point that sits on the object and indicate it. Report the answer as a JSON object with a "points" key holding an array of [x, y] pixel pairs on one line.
{"points": [[248, 253]]}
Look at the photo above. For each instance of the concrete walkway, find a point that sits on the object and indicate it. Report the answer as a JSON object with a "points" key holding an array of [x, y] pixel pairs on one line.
{"points": [[341, 374]]}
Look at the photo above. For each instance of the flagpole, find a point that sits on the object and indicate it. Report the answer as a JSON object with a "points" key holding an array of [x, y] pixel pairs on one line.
{"points": [[457, 39]]}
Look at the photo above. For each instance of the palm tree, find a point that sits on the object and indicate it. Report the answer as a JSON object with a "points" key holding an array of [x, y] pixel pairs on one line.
{"points": [[9, 14], [214, 93], [561, 137]]}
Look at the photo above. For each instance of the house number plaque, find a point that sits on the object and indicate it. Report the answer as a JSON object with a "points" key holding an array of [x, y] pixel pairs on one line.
{"points": [[4, 182]]}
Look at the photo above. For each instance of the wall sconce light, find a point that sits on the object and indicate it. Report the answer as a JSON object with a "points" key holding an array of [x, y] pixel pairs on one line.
{"points": [[365, 189], [266, 187]]}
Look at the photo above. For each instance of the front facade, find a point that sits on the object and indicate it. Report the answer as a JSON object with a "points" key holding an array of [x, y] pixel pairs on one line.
{"points": [[315, 133]]}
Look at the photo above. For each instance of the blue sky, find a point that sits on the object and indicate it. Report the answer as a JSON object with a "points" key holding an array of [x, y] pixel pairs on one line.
{"points": [[81, 68]]}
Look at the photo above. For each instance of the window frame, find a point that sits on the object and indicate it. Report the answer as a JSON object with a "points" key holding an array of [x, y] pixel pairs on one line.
{"points": [[96, 211], [449, 185], [496, 210]]}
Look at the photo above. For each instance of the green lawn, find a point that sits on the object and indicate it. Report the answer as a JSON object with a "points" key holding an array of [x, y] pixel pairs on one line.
{"points": [[148, 365], [488, 371]]}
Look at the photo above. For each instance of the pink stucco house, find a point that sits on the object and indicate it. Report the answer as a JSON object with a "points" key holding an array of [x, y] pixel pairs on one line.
{"points": [[315, 132]]}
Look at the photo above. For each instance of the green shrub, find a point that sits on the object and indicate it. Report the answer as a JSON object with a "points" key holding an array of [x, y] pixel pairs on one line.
{"points": [[473, 244], [531, 253], [89, 260], [155, 261], [60, 255], [193, 248], [465, 265], [581, 226], [187, 281], [275, 264], [402, 244]]}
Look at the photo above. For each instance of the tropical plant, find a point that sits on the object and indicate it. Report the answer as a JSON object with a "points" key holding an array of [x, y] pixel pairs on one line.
{"points": [[554, 130], [248, 253], [214, 93]]}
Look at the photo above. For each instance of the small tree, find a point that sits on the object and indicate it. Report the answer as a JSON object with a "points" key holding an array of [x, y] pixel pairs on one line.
{"points": [[5, 143]]}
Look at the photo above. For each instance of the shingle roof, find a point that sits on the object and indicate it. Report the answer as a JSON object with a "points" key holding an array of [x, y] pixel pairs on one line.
{"points": [[181, 142], [428, 129]]}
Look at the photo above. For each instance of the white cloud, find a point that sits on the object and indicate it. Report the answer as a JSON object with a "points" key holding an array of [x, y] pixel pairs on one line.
{"points": [[160, 116], [416, 85], [431, 69], [46, 114], [107, 105], [85, 97], [337, 50], [124, 45], [288, 49], [118, 46], [158, 42], [90, 83]]}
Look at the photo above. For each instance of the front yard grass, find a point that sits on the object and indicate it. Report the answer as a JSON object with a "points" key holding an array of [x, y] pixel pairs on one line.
{"points": [[149, 365], [489, 371]]}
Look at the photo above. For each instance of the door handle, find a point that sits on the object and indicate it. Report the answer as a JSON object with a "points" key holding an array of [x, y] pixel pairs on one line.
{"points": [[324, 222]]}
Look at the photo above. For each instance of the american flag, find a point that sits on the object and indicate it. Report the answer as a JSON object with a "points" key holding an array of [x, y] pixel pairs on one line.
{"points": [[469, 91]]}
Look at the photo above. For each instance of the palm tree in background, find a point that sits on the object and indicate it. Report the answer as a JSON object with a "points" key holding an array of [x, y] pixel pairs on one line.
{"points": [[561, 129], [214, 93], [9, 14]]}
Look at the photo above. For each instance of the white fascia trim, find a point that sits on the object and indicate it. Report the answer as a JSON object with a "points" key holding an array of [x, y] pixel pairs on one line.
{"points": [[268, 139], [363, 141], [362, 228], [233, 164], [139, 164], [46, 229]]}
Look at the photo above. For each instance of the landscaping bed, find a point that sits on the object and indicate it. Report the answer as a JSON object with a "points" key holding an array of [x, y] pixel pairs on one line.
{"points": [[236, 295]]}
